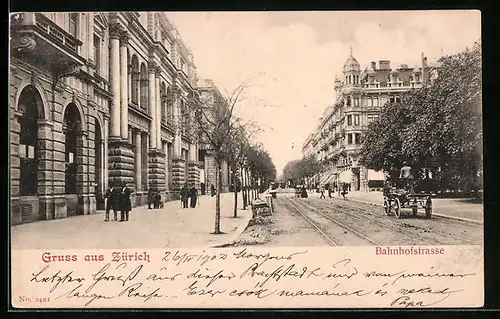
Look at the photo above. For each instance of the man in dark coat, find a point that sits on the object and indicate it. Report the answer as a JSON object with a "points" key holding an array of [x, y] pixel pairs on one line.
{"points": [[157, 200], [193, 194], [212, 190], [150, 198], [126, 204], [184, 196], [112, 202]]}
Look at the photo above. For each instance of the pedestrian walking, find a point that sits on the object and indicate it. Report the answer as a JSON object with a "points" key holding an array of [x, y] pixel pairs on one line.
{"points": [[151, 196], [184, 196], [345, 190], [322, 192], [111, 196], [330, 192], [212, 190], [157, 201], [125, 203], [193, 194]]}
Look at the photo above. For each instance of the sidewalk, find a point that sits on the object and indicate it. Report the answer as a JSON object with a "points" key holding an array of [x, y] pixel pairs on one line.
{"points": [[448, 208], [171, 226]]}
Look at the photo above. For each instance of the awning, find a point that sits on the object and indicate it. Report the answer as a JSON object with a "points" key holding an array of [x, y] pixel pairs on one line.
{"points": [[346, 176], [375, 175], [332, 178]]}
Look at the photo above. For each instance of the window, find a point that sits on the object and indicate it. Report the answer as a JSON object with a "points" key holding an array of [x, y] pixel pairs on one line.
{"points": [[356, 119], [97, 54], [375, 101], [28, 141], [356, 101], [391, 99], [398, 99], [348, 101], [73, 24], [369, 101], [349, 139], [349, 120], [369, 118]]}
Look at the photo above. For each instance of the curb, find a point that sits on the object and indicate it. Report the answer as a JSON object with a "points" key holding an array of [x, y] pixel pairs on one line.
{"points": [[236, 234], [474, 221]]}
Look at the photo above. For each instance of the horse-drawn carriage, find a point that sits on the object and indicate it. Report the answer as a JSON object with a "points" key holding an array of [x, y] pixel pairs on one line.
{"points": [[400, 194]]}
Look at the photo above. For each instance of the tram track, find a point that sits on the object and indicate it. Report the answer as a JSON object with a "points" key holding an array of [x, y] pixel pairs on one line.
{"points": [[419, 238], [347, 230], [381, 225]]}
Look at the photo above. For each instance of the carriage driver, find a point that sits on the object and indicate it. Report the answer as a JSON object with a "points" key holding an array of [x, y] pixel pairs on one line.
{"points": [[407, 177]]}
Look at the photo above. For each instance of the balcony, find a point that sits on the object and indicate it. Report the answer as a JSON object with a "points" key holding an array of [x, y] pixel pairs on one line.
{"points": [[35, 35]]}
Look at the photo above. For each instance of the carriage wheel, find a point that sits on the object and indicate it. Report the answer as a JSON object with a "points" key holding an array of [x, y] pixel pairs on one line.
{"points": [[428, 208], [415, 209], [387, 207], [397, 208]]}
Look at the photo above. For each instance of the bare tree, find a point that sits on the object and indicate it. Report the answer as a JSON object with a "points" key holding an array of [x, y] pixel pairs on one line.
{"points": [[214, 124], [238, 146]]}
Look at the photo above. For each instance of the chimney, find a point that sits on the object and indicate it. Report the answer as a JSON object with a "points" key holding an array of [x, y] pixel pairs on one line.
{"points": [[424, 67], [374, 65], [385, 64]]}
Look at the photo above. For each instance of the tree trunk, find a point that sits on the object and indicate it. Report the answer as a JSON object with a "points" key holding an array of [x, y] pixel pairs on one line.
{"points": [[217, 198], [243, 188], [235, 190]]}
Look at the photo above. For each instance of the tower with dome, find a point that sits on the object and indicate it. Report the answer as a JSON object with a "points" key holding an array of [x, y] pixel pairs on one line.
{"points": [[359, 95]]}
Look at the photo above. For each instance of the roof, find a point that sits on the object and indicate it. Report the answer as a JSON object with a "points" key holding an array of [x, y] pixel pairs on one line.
{"points": [[351, 64]]}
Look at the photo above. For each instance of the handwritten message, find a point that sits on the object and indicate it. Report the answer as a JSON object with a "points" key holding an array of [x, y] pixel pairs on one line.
{"points": [[247, 278]]}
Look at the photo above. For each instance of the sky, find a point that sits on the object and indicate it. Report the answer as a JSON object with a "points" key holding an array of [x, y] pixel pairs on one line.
{"points": [[289, 60]]}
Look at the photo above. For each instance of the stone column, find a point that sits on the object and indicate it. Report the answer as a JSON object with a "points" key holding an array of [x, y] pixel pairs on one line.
{"points": [[158, 110], [105, 152], [115, 82], [165, 150], [124, 87], [152, 105], [138, 160]]}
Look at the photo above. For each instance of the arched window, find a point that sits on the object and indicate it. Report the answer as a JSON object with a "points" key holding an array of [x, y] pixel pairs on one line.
{"points": [[70, 127], [29, 102], [136, 80], [144, 90], [348, 101]]}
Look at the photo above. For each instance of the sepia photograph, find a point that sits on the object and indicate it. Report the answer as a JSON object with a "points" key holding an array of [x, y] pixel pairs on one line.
{"points": [[362, 128], [244, 130]]}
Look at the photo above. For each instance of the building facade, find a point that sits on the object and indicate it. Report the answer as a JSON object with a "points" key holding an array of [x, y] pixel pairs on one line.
{"points": [[97, 100], [210, 95], [360, 94]]}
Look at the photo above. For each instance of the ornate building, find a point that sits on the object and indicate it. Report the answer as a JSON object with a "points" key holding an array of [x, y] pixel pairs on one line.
{"points": [[97, 99], [210, 94], [360, 94]]}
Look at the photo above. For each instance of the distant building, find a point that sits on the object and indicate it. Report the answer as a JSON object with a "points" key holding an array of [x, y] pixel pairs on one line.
{"points": [[210, 94], [96, 99], [360, 95]]}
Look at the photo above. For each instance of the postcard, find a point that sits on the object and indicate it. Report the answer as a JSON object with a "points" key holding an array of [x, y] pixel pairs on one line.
{"points": [[306, 159]]}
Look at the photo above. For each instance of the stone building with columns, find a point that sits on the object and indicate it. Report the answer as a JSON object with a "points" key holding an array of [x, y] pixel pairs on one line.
{"points": [[97, 99]]}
